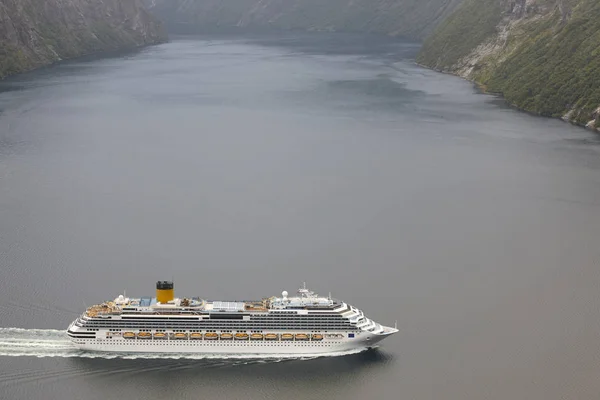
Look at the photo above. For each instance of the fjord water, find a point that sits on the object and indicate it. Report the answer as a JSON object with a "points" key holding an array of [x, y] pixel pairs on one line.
{"points": [[243, 166]]}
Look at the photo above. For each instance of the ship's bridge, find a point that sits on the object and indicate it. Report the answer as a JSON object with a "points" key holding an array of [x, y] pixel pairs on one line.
{"points": [[305, 299]]}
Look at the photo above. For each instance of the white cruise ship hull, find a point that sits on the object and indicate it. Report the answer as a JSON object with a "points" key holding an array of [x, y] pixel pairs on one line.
{"points": [[241, 347]]}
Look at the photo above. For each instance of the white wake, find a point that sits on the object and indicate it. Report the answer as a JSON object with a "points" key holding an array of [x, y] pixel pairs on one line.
{"points": [[18, 342]]}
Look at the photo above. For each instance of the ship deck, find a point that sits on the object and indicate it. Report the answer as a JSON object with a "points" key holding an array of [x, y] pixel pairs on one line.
{"points": [[194, 306]]}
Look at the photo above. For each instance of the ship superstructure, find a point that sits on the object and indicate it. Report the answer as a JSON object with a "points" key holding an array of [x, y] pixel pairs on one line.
{"points": [[304, 324]]}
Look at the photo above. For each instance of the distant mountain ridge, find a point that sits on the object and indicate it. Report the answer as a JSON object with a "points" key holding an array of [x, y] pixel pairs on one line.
{"points": [[543, 56], [34, 33], [410, 18]]}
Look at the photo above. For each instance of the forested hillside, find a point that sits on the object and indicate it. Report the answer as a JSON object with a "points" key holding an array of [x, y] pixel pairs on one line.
{"points": [[38, 32], [542, 55]]}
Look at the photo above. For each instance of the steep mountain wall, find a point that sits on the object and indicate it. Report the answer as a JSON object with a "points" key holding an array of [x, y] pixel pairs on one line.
{"points": [[413, 18], [39, 32], [543, 56]]}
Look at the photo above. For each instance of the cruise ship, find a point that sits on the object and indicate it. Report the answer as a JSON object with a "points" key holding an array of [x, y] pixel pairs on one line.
{"points": [[303, 324]]}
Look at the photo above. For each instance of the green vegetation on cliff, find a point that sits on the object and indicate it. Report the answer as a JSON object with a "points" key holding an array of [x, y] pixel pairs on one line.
{"points": [[39, 32], [557, 68], [471, 24], [544, 56], [12, 60]]}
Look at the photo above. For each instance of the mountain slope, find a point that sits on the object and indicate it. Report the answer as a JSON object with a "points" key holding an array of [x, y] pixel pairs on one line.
{"points": [[414, 18], [38, 32], [543, 56]]}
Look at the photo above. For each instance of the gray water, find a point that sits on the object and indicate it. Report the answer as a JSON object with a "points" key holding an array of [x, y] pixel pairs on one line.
{"points": [[244, 166]]}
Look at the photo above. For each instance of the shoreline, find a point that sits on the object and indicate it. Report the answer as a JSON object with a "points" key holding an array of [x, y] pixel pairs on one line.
{"points": [[108, 53], [483, 90]]}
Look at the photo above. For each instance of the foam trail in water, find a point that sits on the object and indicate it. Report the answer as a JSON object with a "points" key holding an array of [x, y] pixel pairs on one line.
{"points": [[17, 342], [35, 342]]}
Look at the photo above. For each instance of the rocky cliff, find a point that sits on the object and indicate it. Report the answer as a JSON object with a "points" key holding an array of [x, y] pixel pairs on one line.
{"points": [[543, 56], [39, 32], [413, 18]]}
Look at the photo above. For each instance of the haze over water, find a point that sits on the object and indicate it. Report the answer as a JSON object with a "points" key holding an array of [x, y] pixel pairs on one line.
{"points": [[244, 166]]}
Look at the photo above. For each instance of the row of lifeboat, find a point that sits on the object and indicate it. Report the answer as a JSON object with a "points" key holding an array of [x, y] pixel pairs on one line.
{"points": [[224, 336]]}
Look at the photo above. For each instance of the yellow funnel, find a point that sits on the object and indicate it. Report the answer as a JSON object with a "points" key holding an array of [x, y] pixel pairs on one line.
{"points": [[164, 292]]}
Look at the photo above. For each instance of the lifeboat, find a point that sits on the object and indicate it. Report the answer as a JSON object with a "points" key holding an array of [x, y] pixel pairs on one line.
{"points": [[144, 335], [129, 335], [301, 336], [271, 336], [256, 336], [241, 336], [287, 336], [317, 337], [226, 336], [211, 336], [160, 335], [195, 336], [180, 335]]}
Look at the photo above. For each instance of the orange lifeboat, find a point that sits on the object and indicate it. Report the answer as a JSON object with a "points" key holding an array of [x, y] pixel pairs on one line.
{"points": [[211, 336], [180, 335], [256, 336], [241, 336]]}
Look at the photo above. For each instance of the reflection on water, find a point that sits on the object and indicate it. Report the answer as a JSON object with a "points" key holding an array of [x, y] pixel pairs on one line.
{"points": [[276, 378], [219, 379], [313, 368]]}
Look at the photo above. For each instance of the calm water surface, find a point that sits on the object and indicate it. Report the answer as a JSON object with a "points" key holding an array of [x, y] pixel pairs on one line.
{"points": [[244, 166]]}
